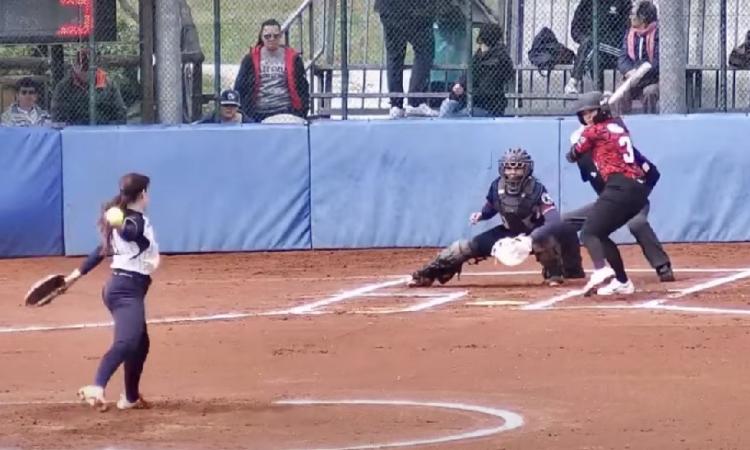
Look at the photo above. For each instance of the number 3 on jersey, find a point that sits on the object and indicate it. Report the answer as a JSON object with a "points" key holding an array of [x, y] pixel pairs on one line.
{"points": [[627, 144], [624, 141]]}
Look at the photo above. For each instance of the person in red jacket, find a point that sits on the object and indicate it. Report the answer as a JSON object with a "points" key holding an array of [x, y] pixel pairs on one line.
{"points": [[272, 79]]}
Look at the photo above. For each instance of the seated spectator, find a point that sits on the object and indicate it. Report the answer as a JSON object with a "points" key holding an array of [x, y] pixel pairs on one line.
{"points": [[271, 79], [70, 100], [641, 45], [740, 56], [491, 68], [613, 22], [25, 112], [229, 110], [408, 22]]}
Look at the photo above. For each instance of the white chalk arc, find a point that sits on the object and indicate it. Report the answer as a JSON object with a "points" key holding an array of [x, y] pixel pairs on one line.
{"points": [[510, 419]]}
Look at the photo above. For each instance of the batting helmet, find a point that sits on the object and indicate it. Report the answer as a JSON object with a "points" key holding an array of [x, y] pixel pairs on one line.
{"points": [[593, 100]]}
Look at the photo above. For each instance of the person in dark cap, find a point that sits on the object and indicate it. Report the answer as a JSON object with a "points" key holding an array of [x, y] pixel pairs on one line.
{"points": [[491, 69], [229, 110]]}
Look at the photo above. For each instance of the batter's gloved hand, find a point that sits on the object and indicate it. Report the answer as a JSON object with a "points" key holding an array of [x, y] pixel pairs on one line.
{"points": [[572, 155]]}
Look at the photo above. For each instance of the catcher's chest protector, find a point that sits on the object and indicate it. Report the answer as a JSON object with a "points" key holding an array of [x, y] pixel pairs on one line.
{"points": [[519, 212]]}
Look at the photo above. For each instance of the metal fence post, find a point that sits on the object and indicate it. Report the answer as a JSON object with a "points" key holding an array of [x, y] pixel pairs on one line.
{"points": [[217, 51], [168, 62], [672, 59], [344, 62]]}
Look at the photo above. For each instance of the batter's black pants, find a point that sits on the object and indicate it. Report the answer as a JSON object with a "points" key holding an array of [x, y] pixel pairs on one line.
{"points": [[620, 201], [639, 227]]}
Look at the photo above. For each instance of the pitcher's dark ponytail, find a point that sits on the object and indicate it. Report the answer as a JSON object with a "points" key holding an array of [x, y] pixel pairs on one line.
{"points": [[131, 187]]}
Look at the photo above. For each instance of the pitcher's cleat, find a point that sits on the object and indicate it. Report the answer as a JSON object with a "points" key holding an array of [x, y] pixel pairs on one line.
{"points": [[598, 277], [93, 396], [616, 287], [124, 404]]}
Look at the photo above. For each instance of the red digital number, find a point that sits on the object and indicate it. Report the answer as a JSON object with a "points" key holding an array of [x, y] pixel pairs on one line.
{"points": [[85, 25]]}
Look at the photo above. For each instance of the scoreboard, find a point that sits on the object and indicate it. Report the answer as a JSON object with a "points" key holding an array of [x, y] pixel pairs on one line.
{"points": [[54, 21]]}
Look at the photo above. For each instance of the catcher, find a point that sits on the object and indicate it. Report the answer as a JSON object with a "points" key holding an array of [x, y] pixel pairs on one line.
{"points": [[524, 207], [127, 236]]}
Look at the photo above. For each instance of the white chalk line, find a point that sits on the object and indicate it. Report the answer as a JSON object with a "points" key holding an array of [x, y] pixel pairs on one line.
{"points": [[369, 290], [346, 295], [655, 303], [635, 270], [702, 286], [510, 419], [546, 304]]}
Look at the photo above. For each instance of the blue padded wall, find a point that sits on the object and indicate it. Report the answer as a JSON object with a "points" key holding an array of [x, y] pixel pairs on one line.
{"points": [[213, 188], [31, 195], [414, 182]]}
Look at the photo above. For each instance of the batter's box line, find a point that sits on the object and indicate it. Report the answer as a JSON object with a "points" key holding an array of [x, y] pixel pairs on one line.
{"points": [[655, 304]]}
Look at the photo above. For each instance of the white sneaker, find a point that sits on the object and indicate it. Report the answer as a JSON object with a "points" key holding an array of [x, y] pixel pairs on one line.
{"points": [[572, 86], [598, 277], [94, 396], [615, 287], [422, 110], [396, 112], [123, 403]]}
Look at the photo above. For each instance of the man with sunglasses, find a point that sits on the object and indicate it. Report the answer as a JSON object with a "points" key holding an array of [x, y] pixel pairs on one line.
{"points": [[25, 112]]}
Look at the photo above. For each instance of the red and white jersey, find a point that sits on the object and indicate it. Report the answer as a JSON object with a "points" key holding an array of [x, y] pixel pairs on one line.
{"points": [[611, 149]]}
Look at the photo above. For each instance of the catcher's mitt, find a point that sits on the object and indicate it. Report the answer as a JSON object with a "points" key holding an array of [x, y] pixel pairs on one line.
{"points": [[512, 251], [45, 290]]}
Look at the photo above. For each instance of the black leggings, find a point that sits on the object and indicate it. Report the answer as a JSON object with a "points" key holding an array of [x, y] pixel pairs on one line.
{"points": [[620, 201]]}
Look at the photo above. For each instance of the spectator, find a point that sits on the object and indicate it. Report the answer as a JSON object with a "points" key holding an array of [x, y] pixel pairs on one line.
{"points": [[408, 21], [740, 56], [25, 112], [451, 48], [70, 100], [491, 68], [641, 45], [229, 110], [272, 79], [613, 22]]}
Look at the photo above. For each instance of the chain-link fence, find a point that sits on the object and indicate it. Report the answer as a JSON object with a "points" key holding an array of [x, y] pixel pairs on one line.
{"points": [[144, 61]]}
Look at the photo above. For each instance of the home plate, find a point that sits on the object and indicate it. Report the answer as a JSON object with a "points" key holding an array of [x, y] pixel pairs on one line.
{"points": [[497, 303]]}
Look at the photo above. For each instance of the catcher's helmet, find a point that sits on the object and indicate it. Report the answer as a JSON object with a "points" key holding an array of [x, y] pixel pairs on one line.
{"points": [[515, 158]]}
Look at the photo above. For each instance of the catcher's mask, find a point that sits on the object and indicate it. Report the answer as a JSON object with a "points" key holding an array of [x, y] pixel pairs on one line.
{"points": [[515, 167]]}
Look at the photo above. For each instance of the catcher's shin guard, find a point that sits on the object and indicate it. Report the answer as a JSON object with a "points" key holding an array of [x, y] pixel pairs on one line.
{"points": [[447, 264]]}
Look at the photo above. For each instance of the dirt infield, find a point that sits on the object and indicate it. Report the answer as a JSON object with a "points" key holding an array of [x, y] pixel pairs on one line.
{"points": [[239, 343]]}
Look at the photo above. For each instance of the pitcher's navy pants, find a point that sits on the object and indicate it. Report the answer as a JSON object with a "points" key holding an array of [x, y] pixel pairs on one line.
{"points": [[124, 296]]}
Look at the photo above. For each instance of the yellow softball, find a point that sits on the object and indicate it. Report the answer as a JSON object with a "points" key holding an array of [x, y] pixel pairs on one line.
{"points": [[114, 216]]}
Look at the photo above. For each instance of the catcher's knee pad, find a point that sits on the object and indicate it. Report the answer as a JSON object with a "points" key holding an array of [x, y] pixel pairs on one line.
{"points": [[458, 251]]}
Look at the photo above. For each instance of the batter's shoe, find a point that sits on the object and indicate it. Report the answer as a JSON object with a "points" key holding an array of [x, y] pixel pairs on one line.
{"points": [[93, 396], [665, 273], [598, 277], [124, 404], [616, 287]]}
